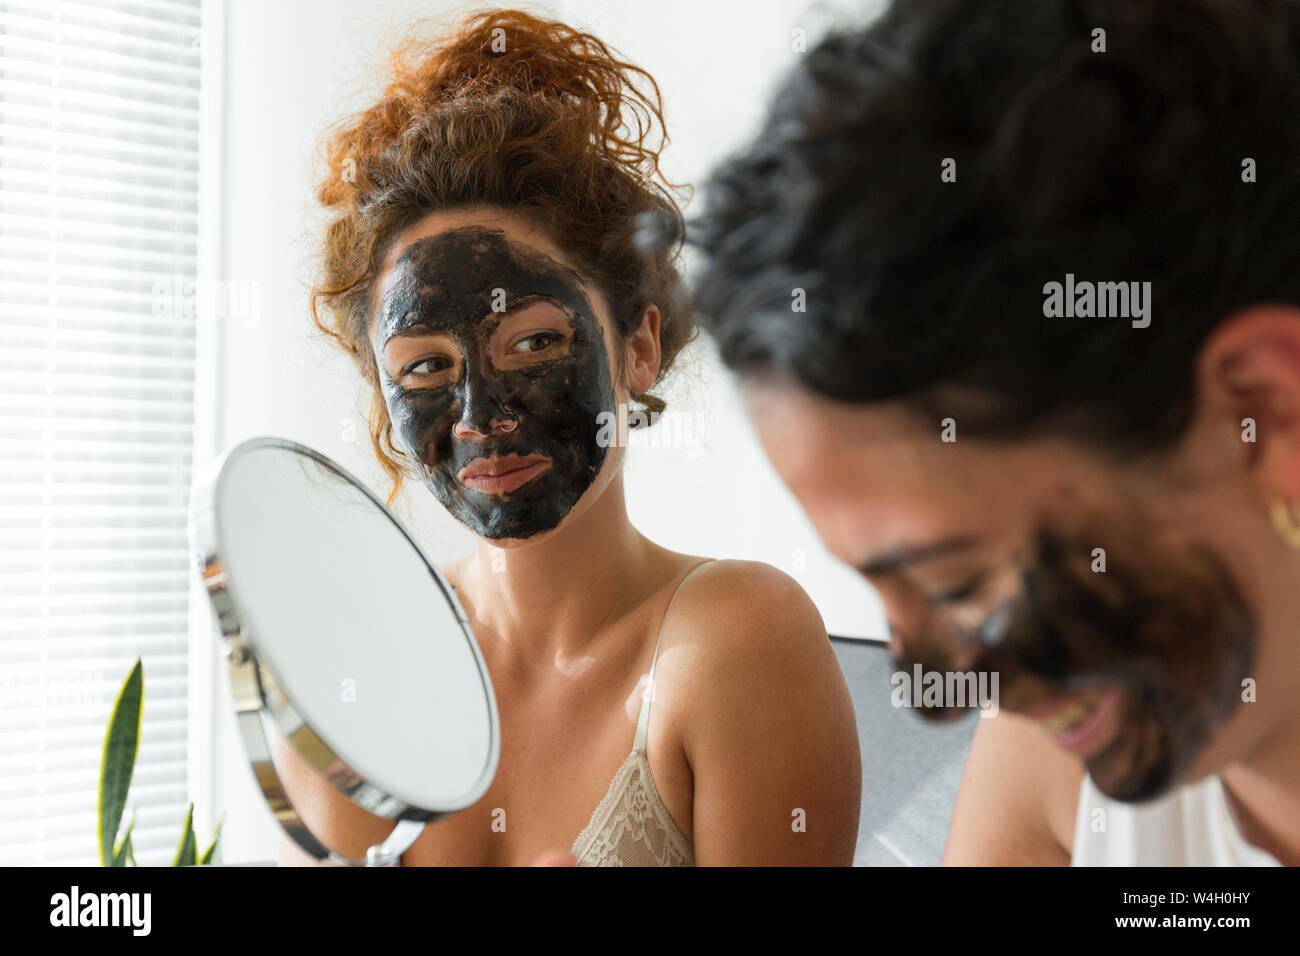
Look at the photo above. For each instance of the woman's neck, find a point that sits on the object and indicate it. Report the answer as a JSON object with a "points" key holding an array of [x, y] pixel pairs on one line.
{"points": [[550, 598]]}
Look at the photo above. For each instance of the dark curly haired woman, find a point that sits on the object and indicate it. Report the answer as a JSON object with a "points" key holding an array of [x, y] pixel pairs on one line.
{"points": [[1100, 507]]}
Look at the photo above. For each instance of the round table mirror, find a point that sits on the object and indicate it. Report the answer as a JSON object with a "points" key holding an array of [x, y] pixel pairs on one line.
{"points": [[344, 642]]}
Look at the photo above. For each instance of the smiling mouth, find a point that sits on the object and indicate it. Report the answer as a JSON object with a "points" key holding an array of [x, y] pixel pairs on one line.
{"points": [[500, 475], [1082, 723]]}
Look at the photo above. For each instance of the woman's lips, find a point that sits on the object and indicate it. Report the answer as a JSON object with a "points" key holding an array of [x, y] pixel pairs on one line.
{"points": [[494, 476]]}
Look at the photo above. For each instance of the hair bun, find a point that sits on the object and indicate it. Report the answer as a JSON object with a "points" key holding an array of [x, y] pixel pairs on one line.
{"points": [[509, 53]]}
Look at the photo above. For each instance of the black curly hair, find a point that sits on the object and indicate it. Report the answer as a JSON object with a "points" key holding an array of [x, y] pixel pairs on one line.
{"points": [[1123, 165]]}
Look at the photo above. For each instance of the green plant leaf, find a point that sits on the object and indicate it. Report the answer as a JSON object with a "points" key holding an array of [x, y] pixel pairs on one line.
{"points": [[185, 852], [207, 856], [121, 744], [124, 848], [125, 853]]}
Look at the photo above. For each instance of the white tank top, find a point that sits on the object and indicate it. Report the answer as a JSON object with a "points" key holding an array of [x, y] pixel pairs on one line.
{"points": [[1192, 826]]}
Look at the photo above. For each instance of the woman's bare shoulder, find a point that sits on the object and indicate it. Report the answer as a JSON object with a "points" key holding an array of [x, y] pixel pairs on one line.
{"points": [[1018, 798], [746, 621], [762, 697], [730, 598]]}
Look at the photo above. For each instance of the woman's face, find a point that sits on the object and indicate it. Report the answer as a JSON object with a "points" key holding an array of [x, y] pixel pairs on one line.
{"points": [[495, 368]]}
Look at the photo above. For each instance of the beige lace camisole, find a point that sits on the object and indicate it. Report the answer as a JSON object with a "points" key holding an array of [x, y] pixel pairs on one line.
{"points": [[631, 826]]}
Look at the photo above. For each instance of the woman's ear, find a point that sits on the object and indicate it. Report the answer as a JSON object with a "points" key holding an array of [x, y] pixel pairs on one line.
{"points": [[1248, 381], [643, 353]]}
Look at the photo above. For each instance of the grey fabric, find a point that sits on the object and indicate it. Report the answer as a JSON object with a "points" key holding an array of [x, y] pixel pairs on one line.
{"points": [[910, 766]]}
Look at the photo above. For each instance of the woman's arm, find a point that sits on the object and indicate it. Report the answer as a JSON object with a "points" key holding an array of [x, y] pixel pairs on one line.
{"points": [[1017, 800], [770, 731]]}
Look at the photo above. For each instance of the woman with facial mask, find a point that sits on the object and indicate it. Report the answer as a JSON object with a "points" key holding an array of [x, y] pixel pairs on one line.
{"points": [[481, 267]]}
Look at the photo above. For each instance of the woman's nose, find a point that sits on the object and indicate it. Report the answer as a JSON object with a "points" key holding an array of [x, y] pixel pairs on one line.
{"points": [[483, 413]]}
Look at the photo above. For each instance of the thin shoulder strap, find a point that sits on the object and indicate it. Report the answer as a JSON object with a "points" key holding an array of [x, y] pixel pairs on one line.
{"points": [[647, 695]]}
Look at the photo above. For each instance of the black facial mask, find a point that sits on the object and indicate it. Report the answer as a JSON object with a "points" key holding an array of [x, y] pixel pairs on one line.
{"points": [[460, 284], [1169, 628]]}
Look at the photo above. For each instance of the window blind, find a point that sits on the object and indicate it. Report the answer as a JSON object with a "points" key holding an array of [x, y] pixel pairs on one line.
{"points": [[99, 106]]}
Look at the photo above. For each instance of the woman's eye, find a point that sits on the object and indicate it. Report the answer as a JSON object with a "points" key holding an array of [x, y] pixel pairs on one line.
{"points": [[536, 342], [436, 364], [958, 595]]}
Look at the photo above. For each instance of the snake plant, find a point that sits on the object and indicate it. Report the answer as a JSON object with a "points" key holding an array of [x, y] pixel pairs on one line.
{"points": [[121, 744]]}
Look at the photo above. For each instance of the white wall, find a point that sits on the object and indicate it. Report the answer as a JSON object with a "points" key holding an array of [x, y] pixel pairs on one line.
{"points": [[294, 66]]}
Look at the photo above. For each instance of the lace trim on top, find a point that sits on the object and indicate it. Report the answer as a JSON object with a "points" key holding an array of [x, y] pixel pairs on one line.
{"points": [[631, 825]]}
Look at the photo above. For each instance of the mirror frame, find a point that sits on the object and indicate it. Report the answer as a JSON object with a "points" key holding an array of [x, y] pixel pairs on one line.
{"points": [[259, 696]]}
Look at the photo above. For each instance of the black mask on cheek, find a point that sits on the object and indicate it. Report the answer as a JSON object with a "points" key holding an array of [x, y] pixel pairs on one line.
{"points": [[1169, 628], [458, 284]]}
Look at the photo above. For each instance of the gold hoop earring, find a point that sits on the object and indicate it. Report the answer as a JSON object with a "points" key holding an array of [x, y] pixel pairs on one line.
{"points": [[1284, 520]]}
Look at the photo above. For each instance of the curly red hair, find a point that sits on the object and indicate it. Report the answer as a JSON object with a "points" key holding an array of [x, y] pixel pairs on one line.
{"points": [[511, 111]]}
